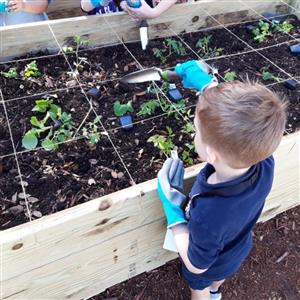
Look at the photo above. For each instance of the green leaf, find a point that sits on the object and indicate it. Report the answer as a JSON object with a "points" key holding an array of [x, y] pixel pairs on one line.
{"points": [[56, 110], [29, 141], [35, 122], [48, 145], [42, 105]]}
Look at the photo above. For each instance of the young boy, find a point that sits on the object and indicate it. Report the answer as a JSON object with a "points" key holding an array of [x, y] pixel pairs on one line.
{"points": [[23, 11], [238, 127]]}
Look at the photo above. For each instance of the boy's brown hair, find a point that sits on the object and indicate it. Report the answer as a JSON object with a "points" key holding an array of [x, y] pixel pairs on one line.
{"points": [[244, 122]]}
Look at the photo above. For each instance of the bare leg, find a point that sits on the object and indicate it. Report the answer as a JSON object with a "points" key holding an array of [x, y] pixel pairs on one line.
{"points": [[215, 285], [200, 294]]}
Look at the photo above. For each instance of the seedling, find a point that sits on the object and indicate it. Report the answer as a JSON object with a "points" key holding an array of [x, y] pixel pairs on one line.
{"points": [[186, 154], [204, 49], [188, 128], [148, 108], [11, 74], [265, 29], [122, 109], [267, 75], [175, 46], [32, 70], [170, 46], [171, 108], [91, 131], [79, 62], [284, 27], [230, 76], [163, 143], [54, 128]]}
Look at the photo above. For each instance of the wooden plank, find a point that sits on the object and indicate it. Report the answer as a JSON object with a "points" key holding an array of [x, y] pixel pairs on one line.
{"points": [[79, 240], [186, 17]]}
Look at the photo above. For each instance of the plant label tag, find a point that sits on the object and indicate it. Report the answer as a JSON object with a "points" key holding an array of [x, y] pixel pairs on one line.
{"points": [[174, 154], [169, 243]]}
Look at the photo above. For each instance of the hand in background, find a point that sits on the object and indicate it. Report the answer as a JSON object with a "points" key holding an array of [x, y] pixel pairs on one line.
{"points": [[16, 5]]}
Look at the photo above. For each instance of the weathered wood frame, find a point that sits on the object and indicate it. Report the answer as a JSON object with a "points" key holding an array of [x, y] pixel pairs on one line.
{"points": [[81, 251]]}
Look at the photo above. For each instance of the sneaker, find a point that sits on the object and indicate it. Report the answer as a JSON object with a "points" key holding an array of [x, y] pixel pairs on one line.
{"points": [[215, 295]]}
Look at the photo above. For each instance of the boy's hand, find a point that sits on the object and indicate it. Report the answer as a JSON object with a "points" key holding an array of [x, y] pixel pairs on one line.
{"points": [[170, 190], [142, 13], [16, 5], [195, 74]]}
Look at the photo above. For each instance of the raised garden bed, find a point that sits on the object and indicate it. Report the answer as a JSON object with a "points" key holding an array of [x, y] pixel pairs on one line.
{"points": [[122, 232]]}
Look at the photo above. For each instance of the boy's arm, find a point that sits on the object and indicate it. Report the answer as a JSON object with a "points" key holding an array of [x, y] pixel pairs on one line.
{"points": [[89, 5], [181, 237], [34, 7]]}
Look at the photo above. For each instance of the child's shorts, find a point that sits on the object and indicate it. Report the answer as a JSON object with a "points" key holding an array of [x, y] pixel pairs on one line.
{"points": [[204, 280]]}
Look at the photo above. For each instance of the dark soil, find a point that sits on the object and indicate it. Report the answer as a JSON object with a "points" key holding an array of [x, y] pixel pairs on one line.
{"points": [[79, 171], [271, 272]]}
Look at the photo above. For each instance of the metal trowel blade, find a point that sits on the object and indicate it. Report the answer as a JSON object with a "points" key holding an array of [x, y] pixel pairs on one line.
{"points": [[151, 74]]}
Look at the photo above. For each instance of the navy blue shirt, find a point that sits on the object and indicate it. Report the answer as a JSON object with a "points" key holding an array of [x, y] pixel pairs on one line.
{"points": [[99, 10], [221, 218]]}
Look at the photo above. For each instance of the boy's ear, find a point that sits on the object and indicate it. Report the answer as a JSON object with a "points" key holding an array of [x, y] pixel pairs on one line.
{"points": [[212, 155]]}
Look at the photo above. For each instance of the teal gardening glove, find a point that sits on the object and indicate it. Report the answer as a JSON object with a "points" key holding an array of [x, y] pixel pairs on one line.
{"points": [[3, 6], [195, 74], [170, 191]]}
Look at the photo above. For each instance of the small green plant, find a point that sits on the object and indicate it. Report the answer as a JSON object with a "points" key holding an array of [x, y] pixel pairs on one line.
{"points": [[230, 76], [91, 131], [267, 75], [186, 154], [154, 89], [204, 49], [122, 109], [176, 109], [80, 61], [148, 108], [175, 46], [55, 127], [32, 70], [262, 31], [160, 54], [188, 128], [163, 143], [11, 74], [284, 27]]}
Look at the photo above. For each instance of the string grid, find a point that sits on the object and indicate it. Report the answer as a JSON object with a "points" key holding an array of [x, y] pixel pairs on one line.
{"points": [[159, 91]]}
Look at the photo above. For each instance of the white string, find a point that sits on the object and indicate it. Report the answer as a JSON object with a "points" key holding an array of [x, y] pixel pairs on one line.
{"points": [[16, 159], [91, 105]]}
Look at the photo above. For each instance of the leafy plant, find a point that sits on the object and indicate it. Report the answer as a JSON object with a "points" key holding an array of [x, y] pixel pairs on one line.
{"points": [[267, 75], [55, 127], [175, 46], [32, 70], [11, 74], [160, 54], [204, 49], [284, 27], [172, 108], [186, 154], [91, 131], [122, 109], [262, 31], [230, 76], [163, 143], [80, 61], [148, 108], [188, 128]]}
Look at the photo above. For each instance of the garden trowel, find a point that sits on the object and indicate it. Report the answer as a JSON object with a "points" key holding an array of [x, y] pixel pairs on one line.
{"points": [[156, 74]]}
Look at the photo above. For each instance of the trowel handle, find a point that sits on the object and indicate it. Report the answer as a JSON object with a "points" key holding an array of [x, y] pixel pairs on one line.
{"points": [[170, 76]]}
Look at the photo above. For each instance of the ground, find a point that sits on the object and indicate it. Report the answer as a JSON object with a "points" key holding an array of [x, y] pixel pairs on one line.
{"points": [[271, 272]]}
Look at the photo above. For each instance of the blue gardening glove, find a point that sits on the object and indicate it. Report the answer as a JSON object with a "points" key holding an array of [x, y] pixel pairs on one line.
{"points": [[170, 190], [97, 3], [3, 7], [195, 75]]}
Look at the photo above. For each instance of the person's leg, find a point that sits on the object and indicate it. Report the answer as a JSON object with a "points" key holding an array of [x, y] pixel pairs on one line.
{"points": [[215, 285], [200, 294]]}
